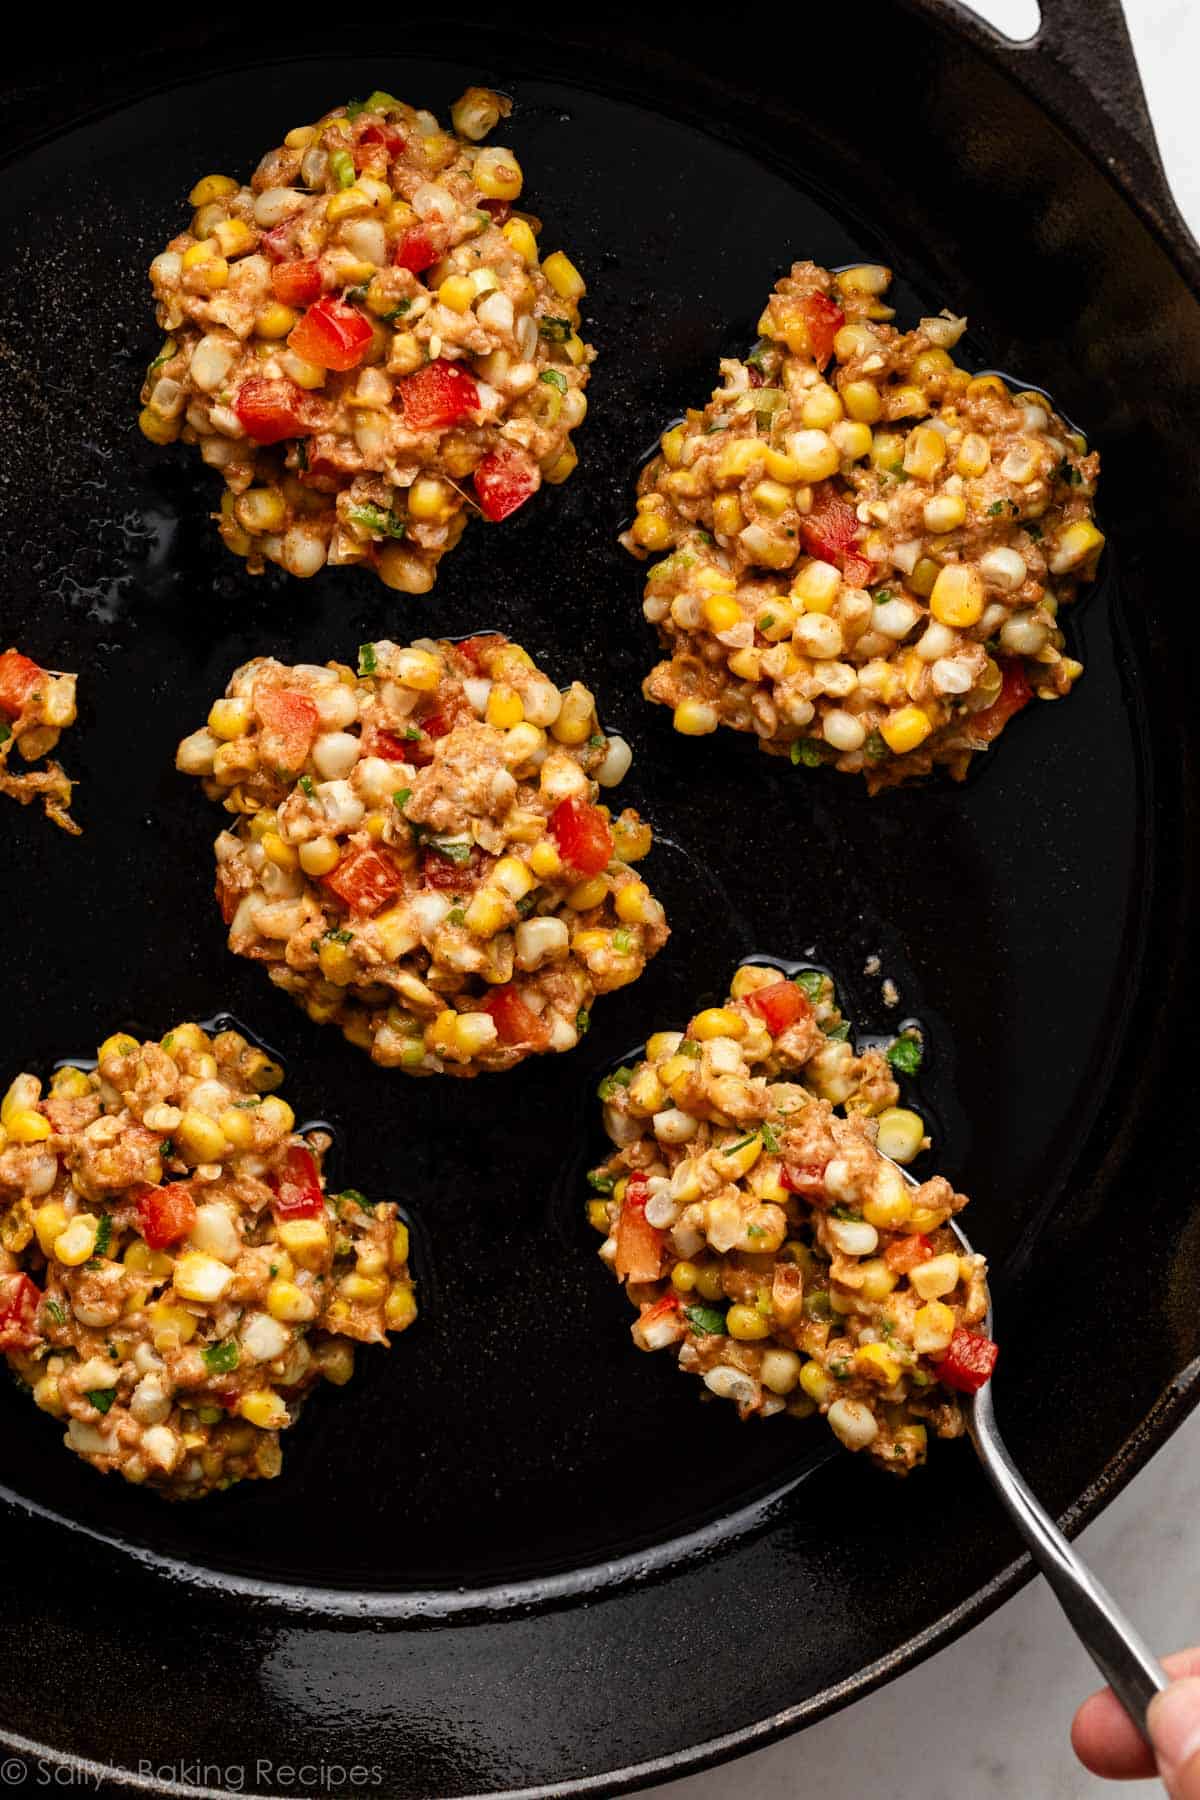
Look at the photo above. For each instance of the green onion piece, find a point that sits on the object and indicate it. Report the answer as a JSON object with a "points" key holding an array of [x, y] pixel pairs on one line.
{"points": [[840, 1031], [706, 1320], [5, 731], [770, 1140], [619, 1078], [455, 850], [555, 331], [219, 1359], [603, 1184], [811, 981], [373, 518], [689, 1047], [164, 356], [732, 1149], [354, 107], [103, 1236], [379, 101], [906, 1054], [997, 506], [622, 942], [306, 787], [101, 1398], [455, 916], [583, 1020], [398, 311], [876, 747], [401, 798], [367, 661], [56, 1312], [341, 167], [806, 752], [555, 378], [340, 937]]}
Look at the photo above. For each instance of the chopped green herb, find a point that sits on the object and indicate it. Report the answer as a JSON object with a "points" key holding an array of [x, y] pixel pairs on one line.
{"points": [[373, 518], [887, 1328], [358, 1198], [1068, 473], [883, 596], [689, 1047], [341, 936], [167, 1148], [556, 331], [732, 1149], [620, 1078], [806, 752], [766, 621], [554, 378], [455, 916], [875, 746], [379, 100], [811, 981], [401, 798], [301, 449], [839, 1368], [341, 167], [596, 740], [101, 1398], [526, 905], [164, 356], [997, 506], [844, 1212], [622, 942], [818, 1305], [583, 1020], [906, 1053], [412, 733], [602, 1183], [219, 1359], [755, 1231], [770, 1140], [103, 1235], [898, 471], [354, 107], [1034, 530], [455, 850], [707, 1320], [840, 1031], [5, 731], [358, 293], [306, 787], [398, 311], [367, 660], [56, 1312]]}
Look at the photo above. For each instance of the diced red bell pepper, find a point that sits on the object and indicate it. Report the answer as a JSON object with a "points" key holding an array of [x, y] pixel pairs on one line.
{"points": [[270, 411], [378, 742], [856, 569], [19, 675], [515, 1022], [824, 320], [331, 334], [443, 872], [968, 1363], [437, 396], [165, 1214], [582, 834], [364, 881], [505, 480], [475, 648], [1015, 692], [779, 1005], [755, 376], [227, 898], [639, 1244], [289, 722], [19, 1301], [804, 1178], [419, 248], [297, 283], [297, 1186], [280, 242], [437, 724], [830, 528], [387, 135], [907, 1253]]}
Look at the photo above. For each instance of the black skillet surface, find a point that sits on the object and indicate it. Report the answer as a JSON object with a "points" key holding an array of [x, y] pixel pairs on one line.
{"points": [[515, 1555]]}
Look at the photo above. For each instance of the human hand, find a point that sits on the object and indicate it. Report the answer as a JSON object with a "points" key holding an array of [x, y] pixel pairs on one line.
{"points": [[1106, 1743]]}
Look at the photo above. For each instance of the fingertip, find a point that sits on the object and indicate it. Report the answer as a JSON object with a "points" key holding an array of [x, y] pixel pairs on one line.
{"points": [[1107, 1743]]}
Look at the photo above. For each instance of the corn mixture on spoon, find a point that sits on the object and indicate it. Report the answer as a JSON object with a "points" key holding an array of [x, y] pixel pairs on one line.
{"points": [[1125, 1661]]}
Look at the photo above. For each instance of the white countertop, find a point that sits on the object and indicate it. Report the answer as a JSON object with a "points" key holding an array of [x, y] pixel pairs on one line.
{"points": [[1013, 1683]]}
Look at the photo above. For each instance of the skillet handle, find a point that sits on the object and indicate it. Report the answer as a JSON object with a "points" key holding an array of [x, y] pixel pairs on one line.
{"points": [[1127, 1664], [1081, 67]]}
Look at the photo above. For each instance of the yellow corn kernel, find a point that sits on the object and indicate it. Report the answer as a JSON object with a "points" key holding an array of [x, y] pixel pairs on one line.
{"points": [[24, 1126], [816, 587], [877, 1279], [307, 1240], [683, 1277], [586, 894], [957, 598], [777, 621], [781, 467], [924, 453], [276, 1115], [200, 1277], [49, 1222], [674, 1068], [265, 1408], [710, 1283], [229, 719], [504, 708], [888, 1207], [907, 402], [238, 1127], [118, 1045], [564, 277], [822, 407], [974, 455], [852, 438], [305, 374], [512, 877], [275, 320], [695, 718], [400, 1242], [497, 174], [171, 1325], [652, 531], [401, 1308], [210, 188], [933, 1327], [487, 914], [728, 517], [904, 729], [145, 1261], [737, 1161], [924, 576], [590, 943], [319, 856], [1073, 546], [862, 401], [737, 459], [520, 236], [457, 292], [70, 1084], [576, 720], [277, 852], [984, 385], [934, 1279], [772, 498], [746, 1323], [944, 512], [631, 902], [260, 510], [721, 612], [157, 429], [927, 1218], [288, 1302], [718, 1021], [235, 237], [350, 203], [198, 1138], [419, 670], [746, 664], [672, 446], [817, 1384], [545, 860], [646, 1092], [901, 1133], [74, 1245], [878, 1362], [336, 963], [368, 1288], [814, 454]]}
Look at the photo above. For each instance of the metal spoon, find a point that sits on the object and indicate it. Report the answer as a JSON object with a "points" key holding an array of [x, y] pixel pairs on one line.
{"points": [[1126, 1663]]}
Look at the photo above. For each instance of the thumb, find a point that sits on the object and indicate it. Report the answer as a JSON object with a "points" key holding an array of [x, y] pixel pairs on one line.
{"points": [[1174, 1725]]}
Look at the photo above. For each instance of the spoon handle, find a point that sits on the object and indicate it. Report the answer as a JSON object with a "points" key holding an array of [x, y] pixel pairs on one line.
{"points": [[1126, 1663]]}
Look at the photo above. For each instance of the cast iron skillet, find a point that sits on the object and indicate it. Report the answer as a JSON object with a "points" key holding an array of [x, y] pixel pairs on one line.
{"points": [[515, 1556]]}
